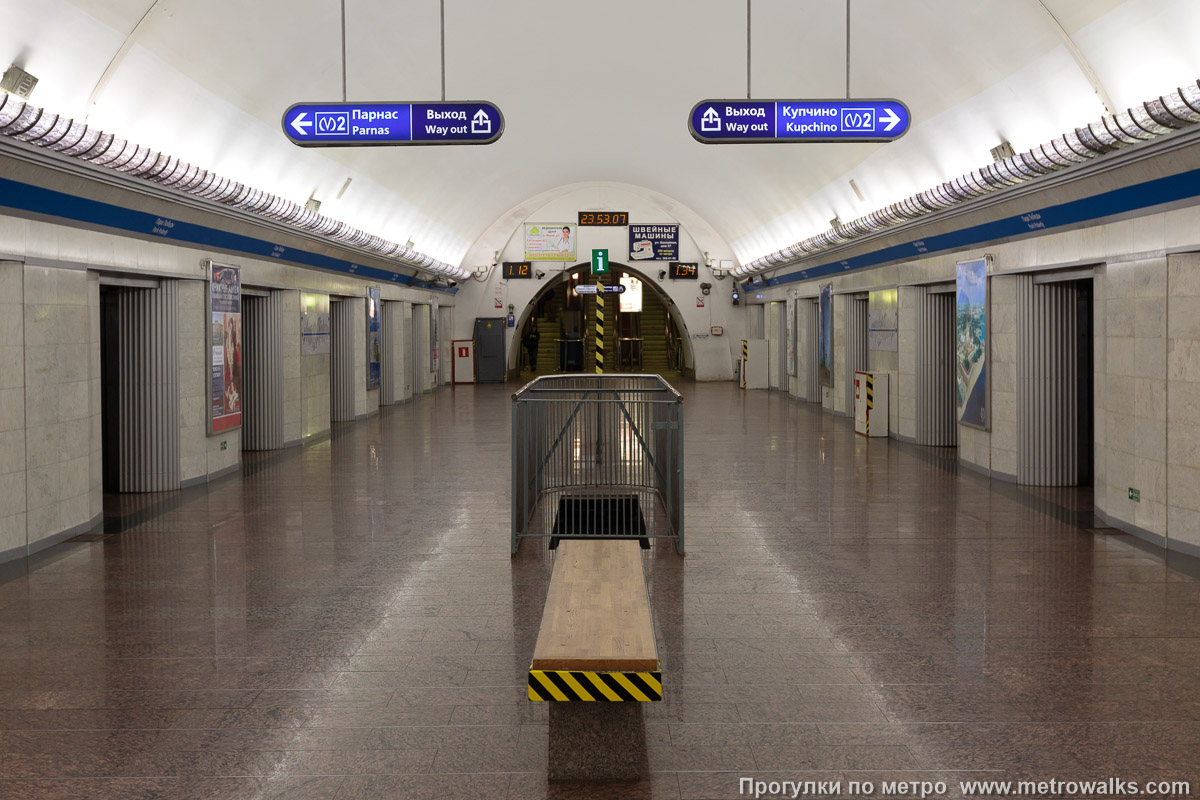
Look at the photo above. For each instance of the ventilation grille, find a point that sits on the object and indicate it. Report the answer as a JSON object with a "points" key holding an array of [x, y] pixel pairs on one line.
{"points": [[27, 123]]}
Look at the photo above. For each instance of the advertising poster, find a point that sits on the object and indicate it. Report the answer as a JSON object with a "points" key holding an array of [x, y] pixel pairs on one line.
{"points": [[631, 298], [374, 339], [653, 242], [315, 324], [225, 351], [551, 241], [970, 346], [825, 336]]}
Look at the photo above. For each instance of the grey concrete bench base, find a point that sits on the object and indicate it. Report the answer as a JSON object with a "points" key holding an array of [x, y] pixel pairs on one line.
{"points": [[597, 741]]}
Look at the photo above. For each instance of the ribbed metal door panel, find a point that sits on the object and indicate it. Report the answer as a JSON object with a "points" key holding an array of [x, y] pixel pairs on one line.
{"points": [[262, 378], [856, 345], [934, 328], [341, 363], [809, 323], [389, 319], [1047, 412], [148, 372]]}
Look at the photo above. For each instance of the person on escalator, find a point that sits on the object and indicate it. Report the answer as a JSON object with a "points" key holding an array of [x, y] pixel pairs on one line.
{"points": [[532, 337]]}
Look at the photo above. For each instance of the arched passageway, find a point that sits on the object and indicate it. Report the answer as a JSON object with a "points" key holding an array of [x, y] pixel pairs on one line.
{"points": [[645, 333]]}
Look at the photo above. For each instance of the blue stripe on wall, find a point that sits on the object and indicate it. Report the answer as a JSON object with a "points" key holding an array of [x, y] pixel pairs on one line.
{"points": [[37, 200], [1183, 186]]}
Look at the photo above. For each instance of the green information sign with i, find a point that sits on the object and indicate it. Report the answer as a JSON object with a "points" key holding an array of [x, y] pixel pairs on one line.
{"points": [[599, 262]]}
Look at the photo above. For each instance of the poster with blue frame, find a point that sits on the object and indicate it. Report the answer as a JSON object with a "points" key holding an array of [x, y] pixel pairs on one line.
{"points": [[825, 336], [970, 343], [374, 339]]}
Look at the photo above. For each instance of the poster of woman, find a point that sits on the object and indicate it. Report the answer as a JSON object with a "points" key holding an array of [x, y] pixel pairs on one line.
{"points": [[225, 363]]}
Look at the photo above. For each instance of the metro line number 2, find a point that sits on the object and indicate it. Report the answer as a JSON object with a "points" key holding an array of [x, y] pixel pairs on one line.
{"points": [[331, 123]]}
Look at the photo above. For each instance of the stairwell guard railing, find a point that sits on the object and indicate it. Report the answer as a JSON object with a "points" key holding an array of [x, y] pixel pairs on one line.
{"points": [[597, 456]]}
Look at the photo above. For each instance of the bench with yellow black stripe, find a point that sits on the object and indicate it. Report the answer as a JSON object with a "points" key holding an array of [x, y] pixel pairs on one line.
{"points": [[596, 642]]}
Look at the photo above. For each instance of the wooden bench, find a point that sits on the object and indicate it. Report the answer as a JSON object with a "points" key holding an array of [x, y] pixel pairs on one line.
{"points": [[596, 661]]}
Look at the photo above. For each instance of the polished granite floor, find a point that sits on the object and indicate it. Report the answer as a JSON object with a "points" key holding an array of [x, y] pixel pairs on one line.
{"points": [[344, 621]]}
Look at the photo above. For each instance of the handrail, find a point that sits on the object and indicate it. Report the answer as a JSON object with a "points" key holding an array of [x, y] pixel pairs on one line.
{"points": [[659, 379]]}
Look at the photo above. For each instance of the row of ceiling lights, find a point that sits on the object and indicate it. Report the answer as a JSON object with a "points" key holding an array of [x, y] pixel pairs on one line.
{"points": [[28, 123], [1151, 120]]}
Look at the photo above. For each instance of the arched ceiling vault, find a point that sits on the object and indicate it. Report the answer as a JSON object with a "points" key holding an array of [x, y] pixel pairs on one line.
{"points": [[595, 93]]}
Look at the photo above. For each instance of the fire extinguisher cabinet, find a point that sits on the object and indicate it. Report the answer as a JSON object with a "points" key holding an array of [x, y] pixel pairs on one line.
{"points": [[871, 403]]}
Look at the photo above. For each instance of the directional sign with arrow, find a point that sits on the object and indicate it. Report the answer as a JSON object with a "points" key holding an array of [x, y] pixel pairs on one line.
{"points": [[746, 121], [592, 288], [381, 124]]}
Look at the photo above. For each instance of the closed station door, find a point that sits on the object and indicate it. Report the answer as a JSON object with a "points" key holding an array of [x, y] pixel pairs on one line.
{"points": [[934, 342], [490, 366], [463, 352], [1054, 380], [856, 344]]}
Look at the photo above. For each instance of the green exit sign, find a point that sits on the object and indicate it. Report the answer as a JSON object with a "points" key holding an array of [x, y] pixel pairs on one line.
{"points": [[224, 445], [600, 262], [1135, 494]]}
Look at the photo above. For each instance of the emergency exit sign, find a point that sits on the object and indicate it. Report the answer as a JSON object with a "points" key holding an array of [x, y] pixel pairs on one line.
{"points": [[600, 262], [1135, 494]]}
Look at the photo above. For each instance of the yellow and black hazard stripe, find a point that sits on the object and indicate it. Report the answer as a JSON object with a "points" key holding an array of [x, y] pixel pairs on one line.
{"points": [[599, 326], [745, 360], [569, 685], [870, 403]]}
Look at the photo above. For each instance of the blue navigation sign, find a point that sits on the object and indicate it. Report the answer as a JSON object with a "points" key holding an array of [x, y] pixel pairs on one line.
{"points": [[378, 124], [593, 288], [746, 121]]}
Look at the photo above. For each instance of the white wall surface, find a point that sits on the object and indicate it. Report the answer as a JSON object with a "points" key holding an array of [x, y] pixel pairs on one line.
{"points": [[12, 406], [50, 480]]}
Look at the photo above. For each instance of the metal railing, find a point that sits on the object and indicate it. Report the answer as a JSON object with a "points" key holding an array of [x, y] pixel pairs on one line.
{"points": [[597, 456]]}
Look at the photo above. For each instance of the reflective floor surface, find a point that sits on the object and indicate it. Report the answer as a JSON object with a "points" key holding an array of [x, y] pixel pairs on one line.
{"points": [[344, 621]]}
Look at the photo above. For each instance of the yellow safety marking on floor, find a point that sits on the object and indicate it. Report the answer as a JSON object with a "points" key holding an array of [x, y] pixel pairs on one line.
{"points": [[586, 686]]}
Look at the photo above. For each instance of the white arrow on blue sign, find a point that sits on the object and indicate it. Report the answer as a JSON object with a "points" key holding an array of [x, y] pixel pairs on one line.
{"points": [[382, 124], [747, 121]]}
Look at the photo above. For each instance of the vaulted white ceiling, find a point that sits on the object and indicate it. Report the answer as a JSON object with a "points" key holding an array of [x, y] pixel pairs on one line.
{"points": [[593, 92]]}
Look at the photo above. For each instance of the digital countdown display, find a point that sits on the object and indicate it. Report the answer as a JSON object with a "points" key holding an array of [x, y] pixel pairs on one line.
{"points": [[685, 270], [517, 269], [603, 218]]}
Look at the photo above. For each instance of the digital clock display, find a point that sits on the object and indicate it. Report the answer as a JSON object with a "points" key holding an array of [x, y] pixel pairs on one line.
{"points": [[603, 217], [684, 269], [517, 269]]}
